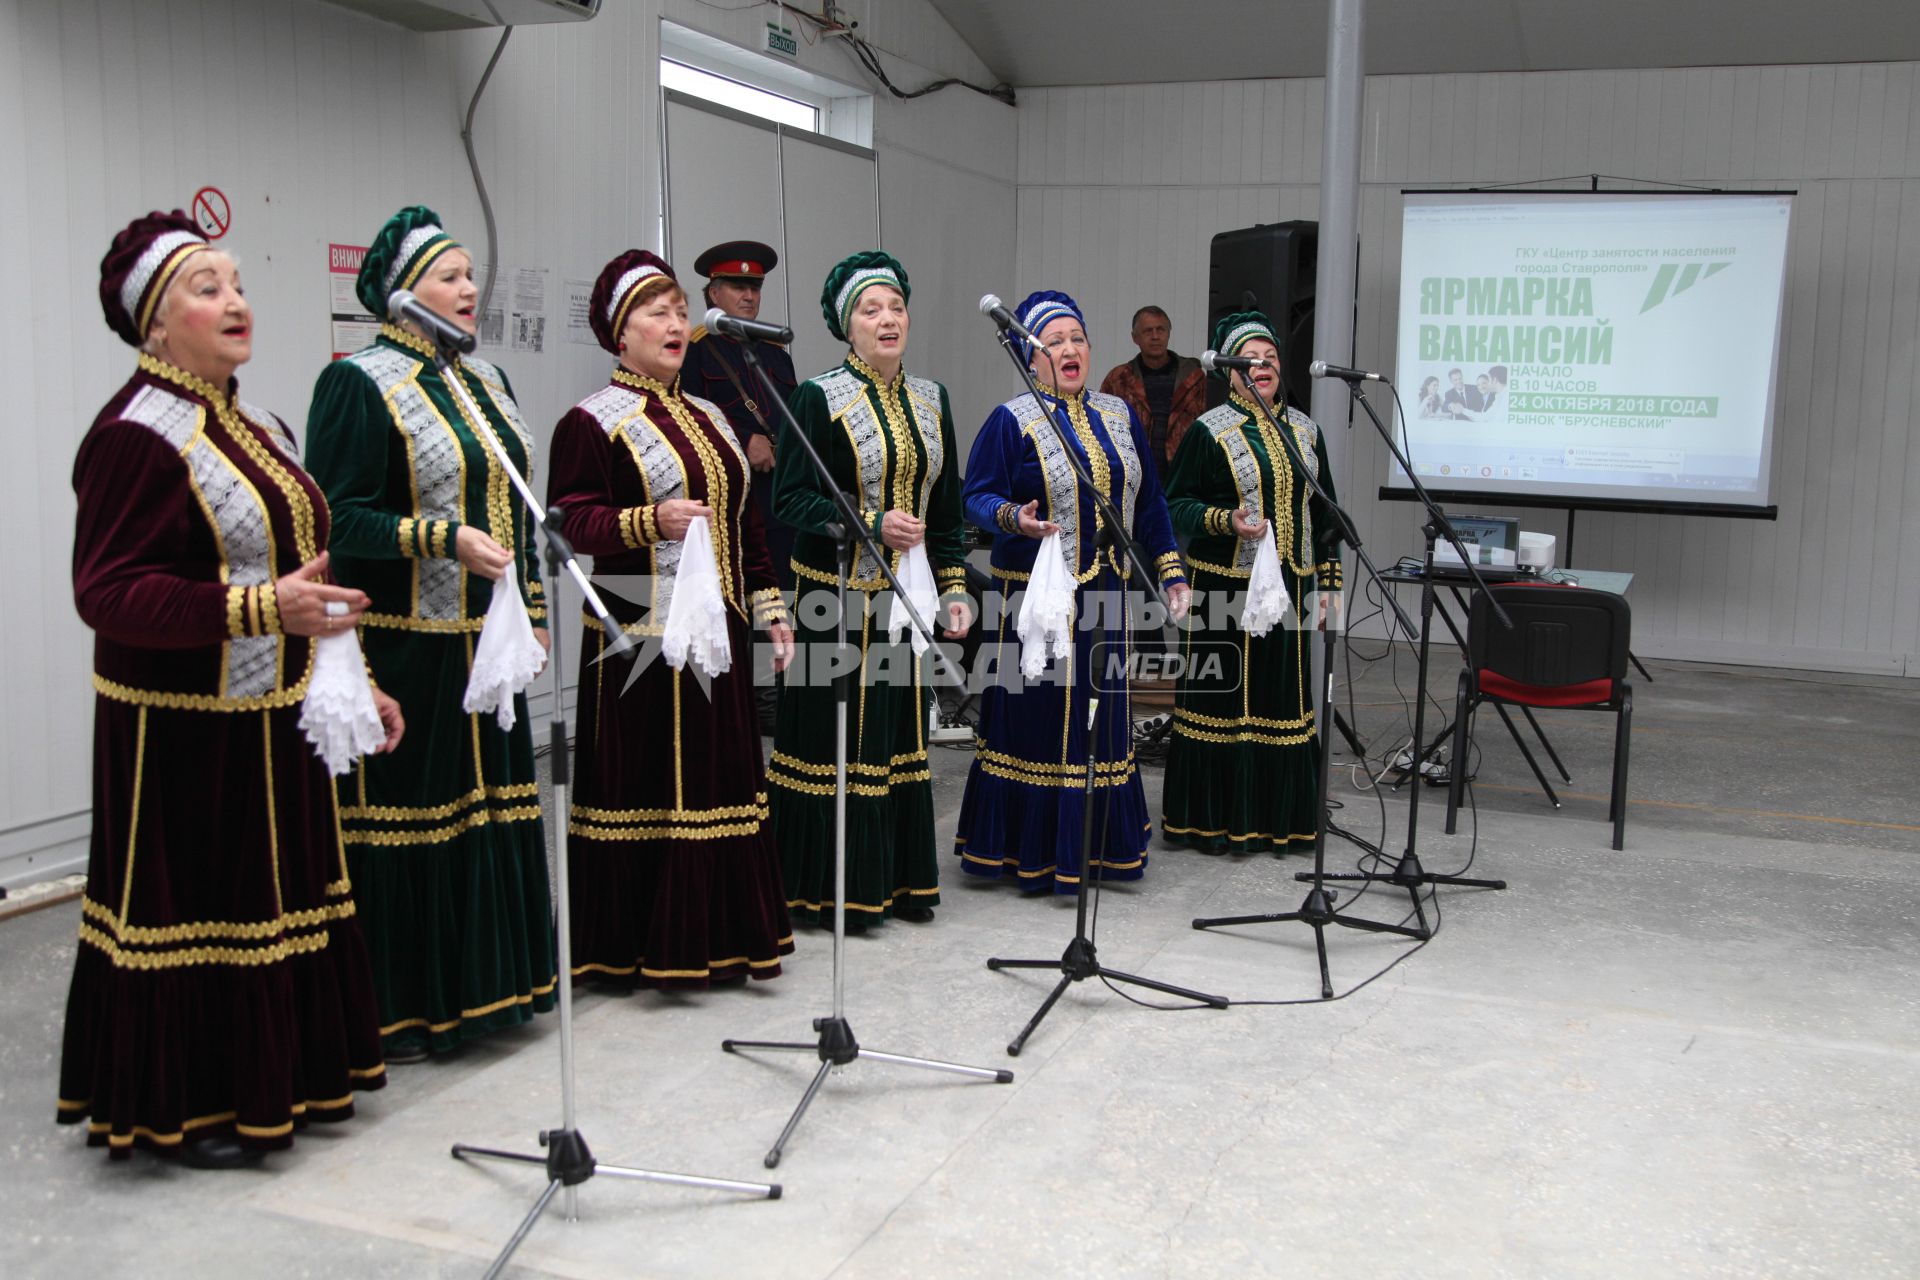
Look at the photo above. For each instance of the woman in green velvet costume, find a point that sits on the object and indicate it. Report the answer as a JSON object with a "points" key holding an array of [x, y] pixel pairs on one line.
{"points": [[443, 837], [1243, 767], [888, 438]]}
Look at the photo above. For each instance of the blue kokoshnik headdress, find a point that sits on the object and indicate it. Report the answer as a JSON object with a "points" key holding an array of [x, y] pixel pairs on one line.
{"points": [[1038, 310]]}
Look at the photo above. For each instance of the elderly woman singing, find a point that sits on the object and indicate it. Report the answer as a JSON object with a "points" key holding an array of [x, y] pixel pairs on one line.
{"points": [[1024, 806], [444, 836], [887, 436], [676, 880], [221, 995]]}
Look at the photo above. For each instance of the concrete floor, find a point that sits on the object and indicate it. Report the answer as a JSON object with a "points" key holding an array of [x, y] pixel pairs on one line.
{"points": [[1697, 1057]]}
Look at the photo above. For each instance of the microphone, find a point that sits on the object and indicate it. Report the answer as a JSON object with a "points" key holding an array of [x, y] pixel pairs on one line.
{"points": [[995, 310], [747, 330], [1321, 369], [1211, 360], [442, 332]]}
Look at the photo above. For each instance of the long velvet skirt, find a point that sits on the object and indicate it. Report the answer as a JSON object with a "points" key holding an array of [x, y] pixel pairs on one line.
{"points": [[890, 851], [222, 986], [1243, 768], [675, 877], [448, 856], [1025, 810]]}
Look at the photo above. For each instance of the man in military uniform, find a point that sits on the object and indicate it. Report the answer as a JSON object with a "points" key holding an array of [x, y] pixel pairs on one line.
{"points": [[716, 370]]}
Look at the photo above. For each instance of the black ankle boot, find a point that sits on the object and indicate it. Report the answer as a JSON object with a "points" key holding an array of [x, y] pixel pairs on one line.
{"points": [[218, 1152]]}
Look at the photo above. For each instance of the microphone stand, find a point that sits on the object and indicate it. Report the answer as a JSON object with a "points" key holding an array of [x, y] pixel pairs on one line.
{"points": [[1407, 872], [568, 1161], [836, 1046], [1080, 960], [1316, 911]]}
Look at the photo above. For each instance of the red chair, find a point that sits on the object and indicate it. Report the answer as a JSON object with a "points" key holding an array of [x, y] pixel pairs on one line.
{"points": [[1567, 649]]}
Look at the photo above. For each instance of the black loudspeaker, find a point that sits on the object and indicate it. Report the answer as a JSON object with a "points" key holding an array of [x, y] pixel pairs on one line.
{"points": [[1268, 268]]}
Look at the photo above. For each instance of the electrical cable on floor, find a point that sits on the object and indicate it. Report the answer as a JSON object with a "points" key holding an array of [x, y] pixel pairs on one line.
{"points": [[1157, 1008], [1431, 901], [1373, 859]]}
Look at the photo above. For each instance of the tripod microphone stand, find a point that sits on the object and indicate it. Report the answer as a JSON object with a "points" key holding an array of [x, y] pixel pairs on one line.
{"points": [[568, 1161], [1317, 909], [1081, 960], [1407, 872], [836, 1046]]}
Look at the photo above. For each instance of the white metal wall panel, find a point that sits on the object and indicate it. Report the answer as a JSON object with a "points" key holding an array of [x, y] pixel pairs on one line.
{"points": [[951, 260], [832, 201], [1122, 188], [318, 123], [947, 212], [723, 183]]}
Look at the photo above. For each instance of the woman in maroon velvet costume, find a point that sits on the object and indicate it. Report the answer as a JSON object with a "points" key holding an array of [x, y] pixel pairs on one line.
{"points": [[221, 995], [675, 877]]}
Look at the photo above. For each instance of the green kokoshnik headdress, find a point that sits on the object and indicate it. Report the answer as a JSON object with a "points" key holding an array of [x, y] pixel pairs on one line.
{"points": [[852, 276], [1235, 331], [399, 255]]}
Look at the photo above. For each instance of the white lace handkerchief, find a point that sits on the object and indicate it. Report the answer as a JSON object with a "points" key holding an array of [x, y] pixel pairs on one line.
{"points": [[697, 614], [922, 596], [338, 715], [1045, 625], [507, 658], [1267, 600]]}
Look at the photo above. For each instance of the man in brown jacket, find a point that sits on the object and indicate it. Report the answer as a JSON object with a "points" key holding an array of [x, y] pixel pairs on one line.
{"points": [[1166, 390]]}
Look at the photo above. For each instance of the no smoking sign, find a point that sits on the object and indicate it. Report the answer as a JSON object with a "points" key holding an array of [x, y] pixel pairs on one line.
{"points": [[212, 212]]}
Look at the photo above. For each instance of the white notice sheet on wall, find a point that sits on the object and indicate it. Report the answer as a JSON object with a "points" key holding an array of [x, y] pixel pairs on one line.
{"points": [[579, 301], [516, 314], [527, 320], [351, 327]]}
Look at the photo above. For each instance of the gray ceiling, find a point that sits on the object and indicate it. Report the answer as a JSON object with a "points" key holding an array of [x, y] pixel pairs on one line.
{"points": [[1047, 42]]}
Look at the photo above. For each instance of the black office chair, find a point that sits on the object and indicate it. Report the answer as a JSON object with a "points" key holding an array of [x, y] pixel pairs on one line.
{"points": [[1567, 649]]}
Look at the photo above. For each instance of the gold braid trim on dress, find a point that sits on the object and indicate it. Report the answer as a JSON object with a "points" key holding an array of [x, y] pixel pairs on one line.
{"points": [[299, 505], [1242, 722], [667, 832], [167, 701], [481, 1012], [1184, 730], [769, 606], [1224, 570], [1107, 773], [669, 824], [479, 818], [135, 935], [404, 622], [758, 809], [1172, 830], [626, 971], [123, 959], [798, 765], [398, 813], [899, 771]]}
